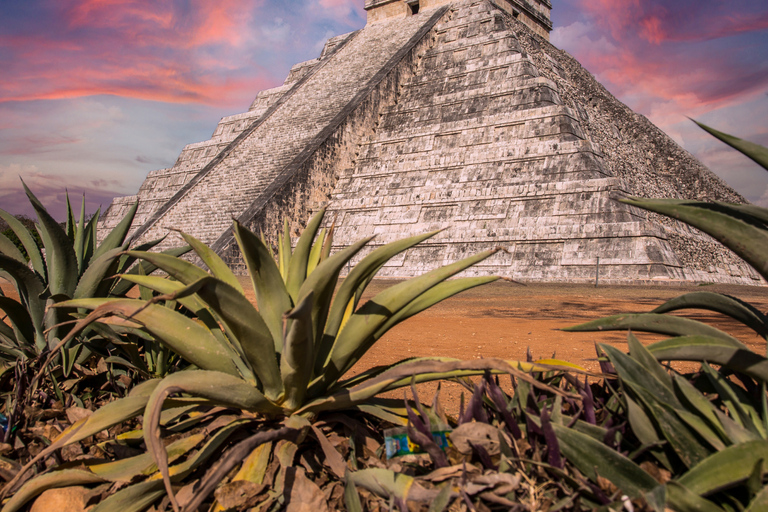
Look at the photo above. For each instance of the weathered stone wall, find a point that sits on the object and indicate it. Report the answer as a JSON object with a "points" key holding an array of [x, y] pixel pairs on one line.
{"points": [[482, 144], [648, 161], [459, 119]]}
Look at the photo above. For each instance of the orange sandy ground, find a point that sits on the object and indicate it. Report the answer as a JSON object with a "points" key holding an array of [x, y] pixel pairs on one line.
{"points": [[504, 319]]}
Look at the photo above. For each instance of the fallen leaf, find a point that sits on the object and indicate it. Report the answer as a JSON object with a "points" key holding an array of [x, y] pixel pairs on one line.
{"points": [[478, 434], [65, 499], [238, 494], [75, 414], [302, 494]]}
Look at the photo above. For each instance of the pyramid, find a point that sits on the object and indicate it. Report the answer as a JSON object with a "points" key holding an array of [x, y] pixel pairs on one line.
{"points": [[458, 116]]}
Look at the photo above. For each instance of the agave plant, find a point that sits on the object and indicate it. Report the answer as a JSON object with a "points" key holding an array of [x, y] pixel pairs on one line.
{"points": [[284, 360], [70, 265], [710, 430]]}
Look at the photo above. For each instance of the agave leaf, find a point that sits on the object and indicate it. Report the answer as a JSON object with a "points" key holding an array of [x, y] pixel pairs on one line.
{"points": [[317, 250], [180, 471], [759, 502], [442, 500], [681, 498], [71, 225], [287, 249], [212, 260], [701, 404], [644, 429], [427, 299], [434, 295], [116, 237], [702, 428], [750, 212], [125, 470], [351, 496], [254, 468], [297, 267], [92, 281], [189, 339], [33, 251], [144, 268], [90, 239], [30, 291], [248, 329], [725, 469], [177, 268], [721, 222], [106, 416], [662, 405], [736, 401], [322, 283], [60, 255], [421, 370], [360, 275], [366, 322], [9, 249], [134, 498], [730, 306], [754, 151], [78, 244], [298, 351], [18, 315], [37, 486], [642, 355], [713, 350], [661, 324], [594, 459], [632, 372], [388, 484], [272, 298], [166, 286], [216, 387]]}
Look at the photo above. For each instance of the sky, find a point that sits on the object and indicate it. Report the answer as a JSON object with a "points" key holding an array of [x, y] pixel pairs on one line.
{"points": [[94, 94]]}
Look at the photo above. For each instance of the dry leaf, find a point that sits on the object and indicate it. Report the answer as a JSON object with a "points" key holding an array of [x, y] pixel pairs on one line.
{"points": [[75, 414], [65, 499], [302, 494], [660, 474], [238, 494], [478, 434]]}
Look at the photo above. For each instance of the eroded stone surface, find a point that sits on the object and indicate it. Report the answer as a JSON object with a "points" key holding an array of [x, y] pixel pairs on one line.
{"points": [[457, 118]]}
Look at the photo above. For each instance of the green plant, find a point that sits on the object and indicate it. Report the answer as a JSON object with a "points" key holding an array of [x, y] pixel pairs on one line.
{"points": [[708, 430], [284, 360], [71, 264]]}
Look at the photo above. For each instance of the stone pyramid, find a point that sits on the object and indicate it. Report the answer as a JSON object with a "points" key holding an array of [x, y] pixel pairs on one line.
{"points": [[448, 115]]}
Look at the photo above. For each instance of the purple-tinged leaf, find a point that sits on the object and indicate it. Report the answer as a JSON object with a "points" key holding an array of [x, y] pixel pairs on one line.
{"points": [[484, 456], [528, 355], [475, 406], [554, 457], [532, 428], [422, 412], [589, 403], [422, 433], [416, 421], [605, 366], [497, 396]]}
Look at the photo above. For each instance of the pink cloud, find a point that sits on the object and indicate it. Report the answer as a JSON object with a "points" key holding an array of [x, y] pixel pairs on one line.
{"points": [[135, 49]]}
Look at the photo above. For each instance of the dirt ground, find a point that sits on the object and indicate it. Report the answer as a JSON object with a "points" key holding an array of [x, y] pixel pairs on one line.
{"points": [[505, 319]]}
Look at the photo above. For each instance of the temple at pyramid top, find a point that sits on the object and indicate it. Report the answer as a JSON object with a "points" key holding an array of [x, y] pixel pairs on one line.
{"points": [[534, 13], [457, 116]]}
